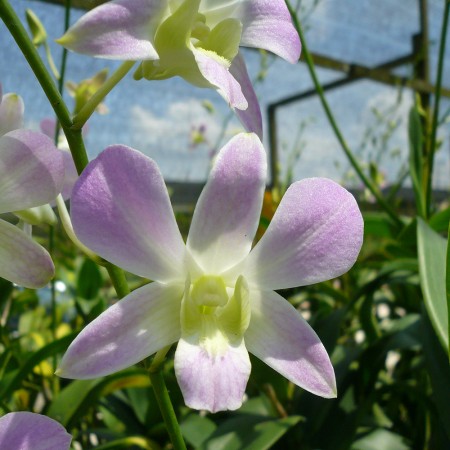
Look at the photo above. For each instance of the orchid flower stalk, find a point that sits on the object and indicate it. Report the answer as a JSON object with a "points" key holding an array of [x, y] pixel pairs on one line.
{"points": [[28, 431], [197, 40], [213, 295], [31, 174]]}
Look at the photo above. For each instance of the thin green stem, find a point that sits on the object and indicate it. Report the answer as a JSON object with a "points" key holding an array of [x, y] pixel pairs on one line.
{"points": [[51, 63], [118, 279], [60, 77], [167, 411], [74, 137], [18, 32], [437, 98], [365, 179], [68, 228], [88, 109]]}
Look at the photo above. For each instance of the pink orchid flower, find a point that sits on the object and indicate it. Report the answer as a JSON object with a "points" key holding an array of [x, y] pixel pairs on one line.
{"points": [[31, 174], [29, 431], [197, 40], [213, 295]]}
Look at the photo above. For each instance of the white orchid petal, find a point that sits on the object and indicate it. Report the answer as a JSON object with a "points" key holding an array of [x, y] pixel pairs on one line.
{"points": [[22, 260], [121, 210], [11, 113], [227, 213], [28, 431], [134, 328], [279, 336], [214, 382]]}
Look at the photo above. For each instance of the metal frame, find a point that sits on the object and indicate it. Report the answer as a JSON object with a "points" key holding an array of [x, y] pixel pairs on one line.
{"points": [[419, 58]]}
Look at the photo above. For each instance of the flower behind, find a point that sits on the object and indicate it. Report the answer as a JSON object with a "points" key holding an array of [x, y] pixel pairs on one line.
{"points": [[31, 174], [28, 431], [213, 295], [194, 39]]}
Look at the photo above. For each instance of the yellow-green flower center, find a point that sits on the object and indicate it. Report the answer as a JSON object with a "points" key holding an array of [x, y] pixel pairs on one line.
{"points": [[212, 315], [184, 31]]}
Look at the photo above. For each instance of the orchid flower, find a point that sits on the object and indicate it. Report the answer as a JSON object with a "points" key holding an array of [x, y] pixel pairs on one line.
{"points": [[31, 174], [29, 431], [197, 40], [212, 295]]}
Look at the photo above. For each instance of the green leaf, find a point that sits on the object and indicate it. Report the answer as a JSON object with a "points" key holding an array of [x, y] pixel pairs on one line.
{"points": [[439, 222], [380, 439], [74, 400], [432, 262], [196, 429], [447, 286], [438, 370], [40, 355], [89, 280], [378, 224], [249, 432], [130, 442]]}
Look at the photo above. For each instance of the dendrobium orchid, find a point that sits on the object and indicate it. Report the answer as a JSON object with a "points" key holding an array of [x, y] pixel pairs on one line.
{"points": [[197, 40], [28, 431], [212, 295], [31, 174]]}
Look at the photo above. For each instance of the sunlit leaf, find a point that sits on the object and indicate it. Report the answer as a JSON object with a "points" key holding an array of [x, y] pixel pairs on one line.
{"points": [[432, 263]]}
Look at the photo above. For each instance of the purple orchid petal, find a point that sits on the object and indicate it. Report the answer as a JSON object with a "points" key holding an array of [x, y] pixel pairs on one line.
{"points": [[28, 431], [227, 213], [48, 127], [121, 29], [267, 24], [31, 170], [250, 117], [211, 382], [121, 210], [137, 326], [22, 260], [71, 175], [279, 336], [11, 113], [217, 73], [315, 235]]}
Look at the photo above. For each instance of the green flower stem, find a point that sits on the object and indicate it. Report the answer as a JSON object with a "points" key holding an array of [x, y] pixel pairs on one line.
{"points": [[28, 49], [437, 99], [118, 279], [87, 110], [51, 63], [59, 75], [68, 228], [165, 405], [367, 182], [74, 136]]}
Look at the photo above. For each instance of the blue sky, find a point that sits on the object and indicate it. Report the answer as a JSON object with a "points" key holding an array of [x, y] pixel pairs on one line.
{"points": [[158, 117]]}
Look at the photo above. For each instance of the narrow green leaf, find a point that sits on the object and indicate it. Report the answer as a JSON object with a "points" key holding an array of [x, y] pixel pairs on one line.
{"points": [[415, 157], [89, 280], [432, 261], [40, 355]]}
